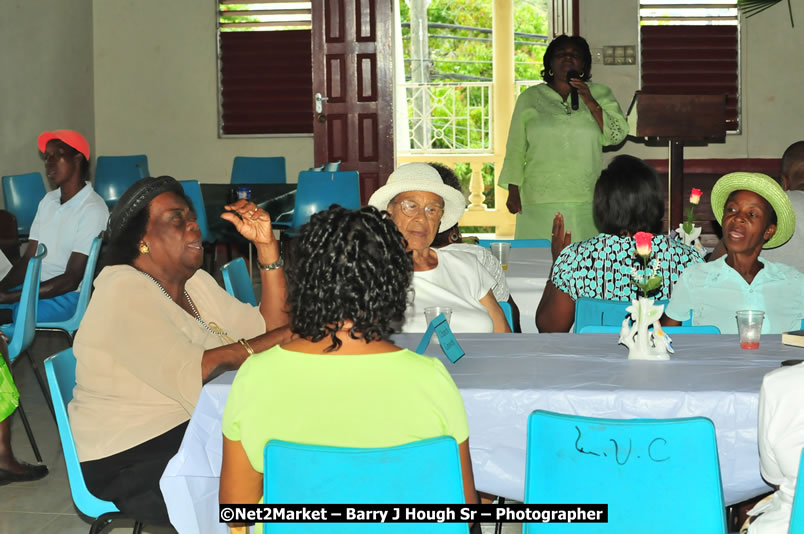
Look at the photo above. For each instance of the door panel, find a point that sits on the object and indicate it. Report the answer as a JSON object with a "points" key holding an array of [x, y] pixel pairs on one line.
{"points": [[353, 69]]}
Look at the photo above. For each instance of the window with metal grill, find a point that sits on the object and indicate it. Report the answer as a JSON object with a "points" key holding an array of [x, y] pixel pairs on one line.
{"points": [[265, 67], [690, 47]]}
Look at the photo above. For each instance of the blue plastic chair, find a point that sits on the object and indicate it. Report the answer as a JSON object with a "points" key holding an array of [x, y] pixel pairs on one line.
{"points": [[699, 329], [516, 243], [797, 516], [22, 194], [317, 191], [598, 312], [509, 313], [427, 471], [69, 326], [193, 190], [250, 170], [22, 331], [639, 467], [237, 281], [115, 174], [60, 371]]}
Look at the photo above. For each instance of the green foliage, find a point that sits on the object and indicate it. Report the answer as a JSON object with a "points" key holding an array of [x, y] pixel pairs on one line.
{"points": [[464, 173], [458, 54]]}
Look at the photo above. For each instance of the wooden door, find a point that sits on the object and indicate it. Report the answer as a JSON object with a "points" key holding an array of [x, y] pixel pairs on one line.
{"points": [[353, 70]]}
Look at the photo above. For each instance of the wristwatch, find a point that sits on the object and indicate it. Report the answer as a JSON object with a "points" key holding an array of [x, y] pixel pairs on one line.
{"points": [[271, 266]]}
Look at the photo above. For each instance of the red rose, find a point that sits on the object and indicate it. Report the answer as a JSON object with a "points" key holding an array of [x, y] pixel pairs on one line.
{"points": [[643, 243]]}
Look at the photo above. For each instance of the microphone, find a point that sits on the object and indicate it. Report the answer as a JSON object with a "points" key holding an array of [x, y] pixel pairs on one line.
{"points": [[573, 91]]}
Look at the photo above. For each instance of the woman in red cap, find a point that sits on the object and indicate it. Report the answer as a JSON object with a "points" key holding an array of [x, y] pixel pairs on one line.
{"points": [[66, 221]]}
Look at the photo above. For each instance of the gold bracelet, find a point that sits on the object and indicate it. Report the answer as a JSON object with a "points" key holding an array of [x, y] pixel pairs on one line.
{"points": [[246, 346]]}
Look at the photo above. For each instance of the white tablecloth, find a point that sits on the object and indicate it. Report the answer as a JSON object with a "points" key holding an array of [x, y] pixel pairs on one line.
{"points": [[504, 377], [528, 269]]}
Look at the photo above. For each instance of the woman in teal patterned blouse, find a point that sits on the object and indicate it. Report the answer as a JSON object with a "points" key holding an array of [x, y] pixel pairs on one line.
{"points": [[554, 153], [627, 199]]}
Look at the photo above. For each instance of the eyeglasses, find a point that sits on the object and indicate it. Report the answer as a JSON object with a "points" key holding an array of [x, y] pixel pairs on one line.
{"points": [[411, 209]]}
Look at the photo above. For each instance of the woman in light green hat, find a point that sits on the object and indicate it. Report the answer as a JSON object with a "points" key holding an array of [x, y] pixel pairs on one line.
{"points": [[755, 213]]}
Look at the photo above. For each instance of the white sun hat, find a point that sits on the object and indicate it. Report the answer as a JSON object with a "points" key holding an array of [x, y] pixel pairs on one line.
{"points": [[421, 177]]}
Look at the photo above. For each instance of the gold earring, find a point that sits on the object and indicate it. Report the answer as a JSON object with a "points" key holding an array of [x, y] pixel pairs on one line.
{"points": [[144, 248]]}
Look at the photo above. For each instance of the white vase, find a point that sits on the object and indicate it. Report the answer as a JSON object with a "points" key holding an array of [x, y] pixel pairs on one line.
{"points": [[643, 343], [693, 238]]}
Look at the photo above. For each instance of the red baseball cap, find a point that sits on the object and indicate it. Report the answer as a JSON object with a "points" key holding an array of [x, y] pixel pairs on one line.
{"points": [[68, 137]]}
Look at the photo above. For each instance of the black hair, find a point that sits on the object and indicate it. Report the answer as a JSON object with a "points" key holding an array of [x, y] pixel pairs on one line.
{"points": [[349, 265], [562, 40], [768, 207], [792, 166], [449, 177], [628, 198], [124, 250]]}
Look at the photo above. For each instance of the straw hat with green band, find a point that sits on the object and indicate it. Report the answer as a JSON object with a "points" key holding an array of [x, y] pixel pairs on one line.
{"points": [[764, 186]]}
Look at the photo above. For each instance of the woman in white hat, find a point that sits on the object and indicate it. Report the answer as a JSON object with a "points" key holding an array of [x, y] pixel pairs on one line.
{"points": [[755, 213], [421, 205]]}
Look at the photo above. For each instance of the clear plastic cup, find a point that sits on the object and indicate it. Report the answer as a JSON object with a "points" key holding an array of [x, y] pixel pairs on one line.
{"points": [[433, 312], [749, 324], [501, 252]]}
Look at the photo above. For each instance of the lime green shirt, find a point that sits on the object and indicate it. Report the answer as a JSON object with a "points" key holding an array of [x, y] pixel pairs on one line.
{"points": [[367, 400], [554, 154], [9, 396]]}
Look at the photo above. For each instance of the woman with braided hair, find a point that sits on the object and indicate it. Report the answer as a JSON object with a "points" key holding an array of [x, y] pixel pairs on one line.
{"points": [[157, 329], [342, 382]]}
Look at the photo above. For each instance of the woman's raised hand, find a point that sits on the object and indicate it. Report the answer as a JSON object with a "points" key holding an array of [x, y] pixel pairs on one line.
{"points": [[250, 220], [561, 237]]}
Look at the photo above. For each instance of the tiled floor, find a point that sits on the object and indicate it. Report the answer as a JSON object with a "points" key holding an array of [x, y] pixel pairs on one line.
{"points": [[45, 506]]}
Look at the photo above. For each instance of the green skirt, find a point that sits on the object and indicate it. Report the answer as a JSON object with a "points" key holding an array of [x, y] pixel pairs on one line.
{"points": [[9, 396], [536, 220]]}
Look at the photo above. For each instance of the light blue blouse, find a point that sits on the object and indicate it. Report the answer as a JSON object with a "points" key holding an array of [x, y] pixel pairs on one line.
{"points": [[715, 292]]}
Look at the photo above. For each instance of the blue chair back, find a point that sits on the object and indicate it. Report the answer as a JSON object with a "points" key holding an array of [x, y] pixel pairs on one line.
{"points": [[516, 243], [598, 312], [797, 516], [318, 190], [638, 467], [25, 322], [193, 190], [22, 194], [699, 329], [71, 325], [509, 313], [115, 174], [427, 471], [249, 170], [60, 371], [237, 281]]}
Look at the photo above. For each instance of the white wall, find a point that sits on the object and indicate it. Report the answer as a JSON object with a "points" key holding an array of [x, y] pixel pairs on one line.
{"points": [[156, 91], [772, 77], [46, 80]]}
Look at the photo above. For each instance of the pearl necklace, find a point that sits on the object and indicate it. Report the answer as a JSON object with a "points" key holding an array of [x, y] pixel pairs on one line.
{"points": [[212, 327]]}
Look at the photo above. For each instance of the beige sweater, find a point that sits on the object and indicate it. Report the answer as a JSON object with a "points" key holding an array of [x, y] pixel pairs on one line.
{"points": [[138, 371]]}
